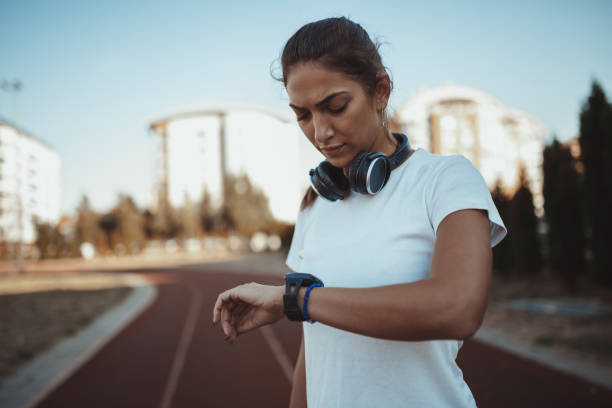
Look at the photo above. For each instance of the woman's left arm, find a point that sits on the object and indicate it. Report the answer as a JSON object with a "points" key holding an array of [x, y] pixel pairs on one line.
{"points": [[449, 304]]}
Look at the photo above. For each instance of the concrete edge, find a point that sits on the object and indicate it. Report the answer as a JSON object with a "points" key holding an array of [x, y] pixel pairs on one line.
{"points": [[43, 374], [499, 339]]}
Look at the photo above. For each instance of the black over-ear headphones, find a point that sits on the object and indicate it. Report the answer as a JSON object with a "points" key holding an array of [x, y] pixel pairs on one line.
{"points": [[367, 174]]}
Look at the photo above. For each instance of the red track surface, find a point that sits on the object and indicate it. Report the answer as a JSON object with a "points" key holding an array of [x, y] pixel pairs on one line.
{"points": [[136, 368]]}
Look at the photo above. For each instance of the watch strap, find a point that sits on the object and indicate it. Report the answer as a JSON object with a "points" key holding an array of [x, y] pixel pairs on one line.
{"points": [[293, 283]]}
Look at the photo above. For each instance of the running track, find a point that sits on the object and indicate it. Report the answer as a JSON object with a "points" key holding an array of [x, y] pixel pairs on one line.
{"points": [[171, 356]]}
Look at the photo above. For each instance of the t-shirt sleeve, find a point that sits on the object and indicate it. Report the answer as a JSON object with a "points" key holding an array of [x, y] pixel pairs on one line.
{"points": [[293, 260], [458, 185]]}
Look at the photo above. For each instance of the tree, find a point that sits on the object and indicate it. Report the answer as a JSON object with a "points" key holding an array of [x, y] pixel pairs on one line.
{"points": [[148, 227], [130, 224], [246, 207], [163, 224], [86, 228], [44, 238], [596, 148], [108, 222], [206, 213], [189, 219], [523, 223], [502, 252], [562, 190]]}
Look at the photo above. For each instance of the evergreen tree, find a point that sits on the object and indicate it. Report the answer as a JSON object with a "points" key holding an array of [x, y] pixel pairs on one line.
{"points": [[189, 219], [108, 222], [86, 228], [562, 190], [246, 207], [130, 224], [523, 223], [43, 239], [163, 222], [206, 213], [149, 226], [502, 252], [596, 146], [49, 241]]}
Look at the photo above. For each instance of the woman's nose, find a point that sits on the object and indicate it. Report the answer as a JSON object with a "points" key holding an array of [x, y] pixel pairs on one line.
{"points": [[323, 130]]}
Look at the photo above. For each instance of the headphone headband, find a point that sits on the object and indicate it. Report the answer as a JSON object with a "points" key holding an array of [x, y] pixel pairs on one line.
{"points": [[402, 152]]}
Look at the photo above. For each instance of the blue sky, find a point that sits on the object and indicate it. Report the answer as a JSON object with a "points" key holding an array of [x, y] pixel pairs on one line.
{"points": [[96, 73]]}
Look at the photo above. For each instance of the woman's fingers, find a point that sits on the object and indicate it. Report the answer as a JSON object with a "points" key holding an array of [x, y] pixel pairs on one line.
{"points": [[237, 315], [246, 307], [222, 299], [217, 309], [226, 317]]}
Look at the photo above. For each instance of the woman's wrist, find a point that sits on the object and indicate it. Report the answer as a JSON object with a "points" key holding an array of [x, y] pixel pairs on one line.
{"points": [[278, 298], [300, 298]]}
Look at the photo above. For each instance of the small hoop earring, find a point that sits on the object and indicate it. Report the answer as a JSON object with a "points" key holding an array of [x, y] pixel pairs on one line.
{"points": [[383, 121]]}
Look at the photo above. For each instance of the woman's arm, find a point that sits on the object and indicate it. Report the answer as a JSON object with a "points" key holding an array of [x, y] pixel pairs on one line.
{"points": [[298, 388], [450, 304]]}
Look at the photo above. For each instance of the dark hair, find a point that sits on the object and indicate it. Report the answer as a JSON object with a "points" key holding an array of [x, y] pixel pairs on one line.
{"points": [[340, 45]]}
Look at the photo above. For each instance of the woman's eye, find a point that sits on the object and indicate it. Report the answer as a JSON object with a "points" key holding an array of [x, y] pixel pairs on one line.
{"points": [[302, 117], [338, 110]]}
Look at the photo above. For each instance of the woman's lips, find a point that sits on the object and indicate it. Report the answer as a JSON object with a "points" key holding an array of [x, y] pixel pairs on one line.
{"points": [[333, 151]]}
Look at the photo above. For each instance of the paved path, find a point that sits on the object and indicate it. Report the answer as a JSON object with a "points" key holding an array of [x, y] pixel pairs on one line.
{"points": [[171, 356]]}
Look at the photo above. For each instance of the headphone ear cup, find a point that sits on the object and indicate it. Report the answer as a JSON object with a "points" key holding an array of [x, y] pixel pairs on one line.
{"points": [[335, 179], [356, 173], [329, 181], [370, 172]]}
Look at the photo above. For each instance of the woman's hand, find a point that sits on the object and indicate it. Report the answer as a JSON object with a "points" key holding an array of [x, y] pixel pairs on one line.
{"points": [[247, 307]]}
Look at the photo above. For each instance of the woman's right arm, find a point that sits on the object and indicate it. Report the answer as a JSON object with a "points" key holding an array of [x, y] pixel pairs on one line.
{"points": [[298, 390]]}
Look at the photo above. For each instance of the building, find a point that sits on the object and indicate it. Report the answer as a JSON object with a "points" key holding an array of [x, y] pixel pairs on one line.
{"points": [[453, 119], [194, 147], [29, 184]]}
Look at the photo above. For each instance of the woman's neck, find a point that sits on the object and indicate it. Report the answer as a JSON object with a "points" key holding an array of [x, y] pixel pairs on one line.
{"points": [[390, 146]]}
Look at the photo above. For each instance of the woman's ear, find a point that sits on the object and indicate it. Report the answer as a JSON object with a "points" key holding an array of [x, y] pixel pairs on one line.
{"points": [[382, 91]]}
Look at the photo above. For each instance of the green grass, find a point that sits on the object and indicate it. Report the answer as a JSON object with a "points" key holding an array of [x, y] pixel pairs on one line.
{"points": [[599, 345], [546, 341]]}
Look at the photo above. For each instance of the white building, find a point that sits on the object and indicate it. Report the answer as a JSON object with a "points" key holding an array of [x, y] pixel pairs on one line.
{"points": [[194, 147], [453, 119], [29, 184]]}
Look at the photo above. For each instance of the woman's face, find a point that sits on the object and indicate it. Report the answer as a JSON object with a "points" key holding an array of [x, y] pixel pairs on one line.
{"points": [[336, 114]]}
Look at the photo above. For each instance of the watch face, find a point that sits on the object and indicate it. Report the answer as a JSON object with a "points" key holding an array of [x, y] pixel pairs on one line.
{"points": [[301, 279]]}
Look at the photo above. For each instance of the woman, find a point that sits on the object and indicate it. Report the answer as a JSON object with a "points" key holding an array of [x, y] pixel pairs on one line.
{"points": [[406, 271]]}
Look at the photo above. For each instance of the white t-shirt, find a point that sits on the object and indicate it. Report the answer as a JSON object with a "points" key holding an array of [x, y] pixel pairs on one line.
{"points": [[366, 241]]}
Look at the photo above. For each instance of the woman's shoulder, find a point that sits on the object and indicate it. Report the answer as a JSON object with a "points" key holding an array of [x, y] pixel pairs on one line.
{"points": [[435, 160], [427, 165], [436, 165]]}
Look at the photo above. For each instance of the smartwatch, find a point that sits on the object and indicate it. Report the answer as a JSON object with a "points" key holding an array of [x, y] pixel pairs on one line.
{"points": [[293, 283]]}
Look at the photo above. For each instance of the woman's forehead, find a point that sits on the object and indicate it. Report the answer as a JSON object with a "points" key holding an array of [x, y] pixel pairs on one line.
{"points": [[309, 83]]}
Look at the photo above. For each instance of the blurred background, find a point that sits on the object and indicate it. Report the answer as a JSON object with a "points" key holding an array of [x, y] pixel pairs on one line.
{"points": [[142, 131]]}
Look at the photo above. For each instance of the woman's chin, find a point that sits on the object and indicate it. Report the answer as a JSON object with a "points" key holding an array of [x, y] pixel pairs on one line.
{"points": [[340, 162]]}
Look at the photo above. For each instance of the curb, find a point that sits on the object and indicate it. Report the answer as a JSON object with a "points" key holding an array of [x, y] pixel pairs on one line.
{"points": [[499, 339], [43, 374]]}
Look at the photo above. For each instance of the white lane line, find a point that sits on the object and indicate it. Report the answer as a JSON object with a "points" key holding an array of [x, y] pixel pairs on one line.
{"points": [[41, 376], [278, 351], [181, 351]]}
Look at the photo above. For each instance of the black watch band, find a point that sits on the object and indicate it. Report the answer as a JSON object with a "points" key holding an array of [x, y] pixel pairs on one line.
{"points": [[293, 283]]}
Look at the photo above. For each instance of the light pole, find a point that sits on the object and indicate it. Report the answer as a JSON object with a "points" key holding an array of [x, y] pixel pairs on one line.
{"points": [[15, 87]]}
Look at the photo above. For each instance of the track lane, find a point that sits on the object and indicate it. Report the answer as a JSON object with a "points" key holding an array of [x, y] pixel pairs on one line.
{"points": [[134, 368]]}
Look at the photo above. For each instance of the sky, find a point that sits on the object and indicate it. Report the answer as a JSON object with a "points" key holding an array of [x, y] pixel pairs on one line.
{"points": [[96, 74]]}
